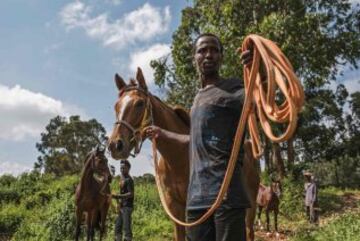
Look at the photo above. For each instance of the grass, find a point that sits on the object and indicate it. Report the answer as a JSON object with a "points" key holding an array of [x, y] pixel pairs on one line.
{"points": [[43, 209]]}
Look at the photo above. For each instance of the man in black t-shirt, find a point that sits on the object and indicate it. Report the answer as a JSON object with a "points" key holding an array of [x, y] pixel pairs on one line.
{"points": [[214, 118], [126, 198]]}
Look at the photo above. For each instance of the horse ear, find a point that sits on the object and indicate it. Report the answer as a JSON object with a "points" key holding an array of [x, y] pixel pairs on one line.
{"points": [[120, 83], [140, 79]]}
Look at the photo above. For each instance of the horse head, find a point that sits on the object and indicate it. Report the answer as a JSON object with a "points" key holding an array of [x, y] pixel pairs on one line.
{"points": [[99, 163], [133, 114], [276, 187]]}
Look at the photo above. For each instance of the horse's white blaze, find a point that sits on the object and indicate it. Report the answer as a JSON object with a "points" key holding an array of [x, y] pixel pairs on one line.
{"points": [[124, 102]]}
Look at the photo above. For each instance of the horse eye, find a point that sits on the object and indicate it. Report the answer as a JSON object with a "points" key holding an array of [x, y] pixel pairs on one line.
{"points": [[139, 103]]}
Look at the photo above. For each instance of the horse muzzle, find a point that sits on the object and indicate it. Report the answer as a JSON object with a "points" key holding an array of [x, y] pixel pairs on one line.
{"points": [[119, 149]]}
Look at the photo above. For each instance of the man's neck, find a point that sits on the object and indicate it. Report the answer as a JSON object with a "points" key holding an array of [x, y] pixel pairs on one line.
{"points": [[209, 79]]}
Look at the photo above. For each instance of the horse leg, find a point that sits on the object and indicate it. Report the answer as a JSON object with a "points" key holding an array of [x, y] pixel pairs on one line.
{"points": [[179, 234], [88, 225], [267, 220], [259, 215], [103, 219], [78, 223], [275, 220], [178, 209], [94, 218], [250, 218]]}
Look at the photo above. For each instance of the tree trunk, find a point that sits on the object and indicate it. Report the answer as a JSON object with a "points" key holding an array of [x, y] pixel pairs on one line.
{"points": [[290, 153], [267, 156], [278, 161]]}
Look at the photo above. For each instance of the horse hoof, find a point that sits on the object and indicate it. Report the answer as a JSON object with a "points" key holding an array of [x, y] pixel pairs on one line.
{"points": [[268, 234], [277, 235]]}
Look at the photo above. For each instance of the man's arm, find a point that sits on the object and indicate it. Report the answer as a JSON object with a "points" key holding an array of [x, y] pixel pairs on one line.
{"points": [[129, 194], [157, 132]]}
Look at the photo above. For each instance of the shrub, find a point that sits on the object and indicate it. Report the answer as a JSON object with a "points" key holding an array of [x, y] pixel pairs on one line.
{"points": [[10, 218]]}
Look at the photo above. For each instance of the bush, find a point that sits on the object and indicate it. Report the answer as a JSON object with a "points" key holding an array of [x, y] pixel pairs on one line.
{"points": [[61, 222], [11, 217], [8, 195], [343, 172], [292, 200]]}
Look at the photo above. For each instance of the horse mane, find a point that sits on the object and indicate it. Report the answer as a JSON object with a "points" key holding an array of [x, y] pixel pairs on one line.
{"points": [[183, 114], [178, 110], [132, 82], [88, 158]]}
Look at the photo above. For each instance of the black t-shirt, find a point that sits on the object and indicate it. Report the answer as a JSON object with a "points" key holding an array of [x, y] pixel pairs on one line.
{"points": [[128, 187], [214, 118]]}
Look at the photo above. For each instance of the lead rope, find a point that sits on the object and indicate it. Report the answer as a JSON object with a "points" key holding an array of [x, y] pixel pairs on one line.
{"points": [[277, 67]]}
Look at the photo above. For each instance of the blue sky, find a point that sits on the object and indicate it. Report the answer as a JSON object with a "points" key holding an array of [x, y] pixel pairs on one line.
{"points": [[59, 57]]}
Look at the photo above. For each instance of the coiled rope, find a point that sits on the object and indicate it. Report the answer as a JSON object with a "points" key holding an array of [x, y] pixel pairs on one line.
{"points": [[262, 95]]}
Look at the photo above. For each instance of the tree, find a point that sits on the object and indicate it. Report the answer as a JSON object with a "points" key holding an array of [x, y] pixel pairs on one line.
{"points": [[317, 36], [65, 144]]}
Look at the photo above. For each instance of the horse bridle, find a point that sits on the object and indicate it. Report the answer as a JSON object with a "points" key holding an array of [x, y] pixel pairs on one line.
{"points": [[146, 121], [106, 182]]}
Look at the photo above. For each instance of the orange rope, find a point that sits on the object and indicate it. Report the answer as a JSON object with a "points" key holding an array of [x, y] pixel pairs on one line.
{"points": [[279, 73]]}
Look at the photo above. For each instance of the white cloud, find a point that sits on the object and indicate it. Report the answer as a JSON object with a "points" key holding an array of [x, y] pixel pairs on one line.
{"points": [[13, 168], [139, 25], [25, 113], [143, 58]]}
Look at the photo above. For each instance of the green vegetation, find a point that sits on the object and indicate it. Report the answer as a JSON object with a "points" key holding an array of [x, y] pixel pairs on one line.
{"points": [[44, 209], [340, 212]]}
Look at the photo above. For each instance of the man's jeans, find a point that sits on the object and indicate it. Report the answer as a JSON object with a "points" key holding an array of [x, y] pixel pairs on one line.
{"points": [[123, 222], [225, 224]]}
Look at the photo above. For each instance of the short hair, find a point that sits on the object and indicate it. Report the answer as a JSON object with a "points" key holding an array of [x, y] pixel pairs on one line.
{"points": [[126, 163], [208, 35]]}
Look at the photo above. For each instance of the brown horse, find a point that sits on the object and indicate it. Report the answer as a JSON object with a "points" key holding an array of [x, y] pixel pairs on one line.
{"points": [[269, 198], [92, 194], [135, 109]]}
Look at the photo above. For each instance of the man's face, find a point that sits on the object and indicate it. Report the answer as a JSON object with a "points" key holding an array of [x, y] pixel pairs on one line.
{"points": [[207, 55], [124, 169]]}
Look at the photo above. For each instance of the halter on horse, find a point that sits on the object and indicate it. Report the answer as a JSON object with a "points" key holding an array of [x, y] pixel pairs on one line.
{"points": [[136, 132]]}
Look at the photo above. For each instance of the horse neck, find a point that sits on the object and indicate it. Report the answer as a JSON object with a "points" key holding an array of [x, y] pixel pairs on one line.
{"points": [[167, 119], [87, 175]]}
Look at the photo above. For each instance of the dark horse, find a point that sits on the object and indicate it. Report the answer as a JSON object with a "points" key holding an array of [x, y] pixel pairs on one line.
{"points": [[92, 194], [268, 198]]}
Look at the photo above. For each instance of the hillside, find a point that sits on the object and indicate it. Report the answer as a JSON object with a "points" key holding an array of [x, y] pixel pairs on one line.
{"points": [[41, 207]]}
